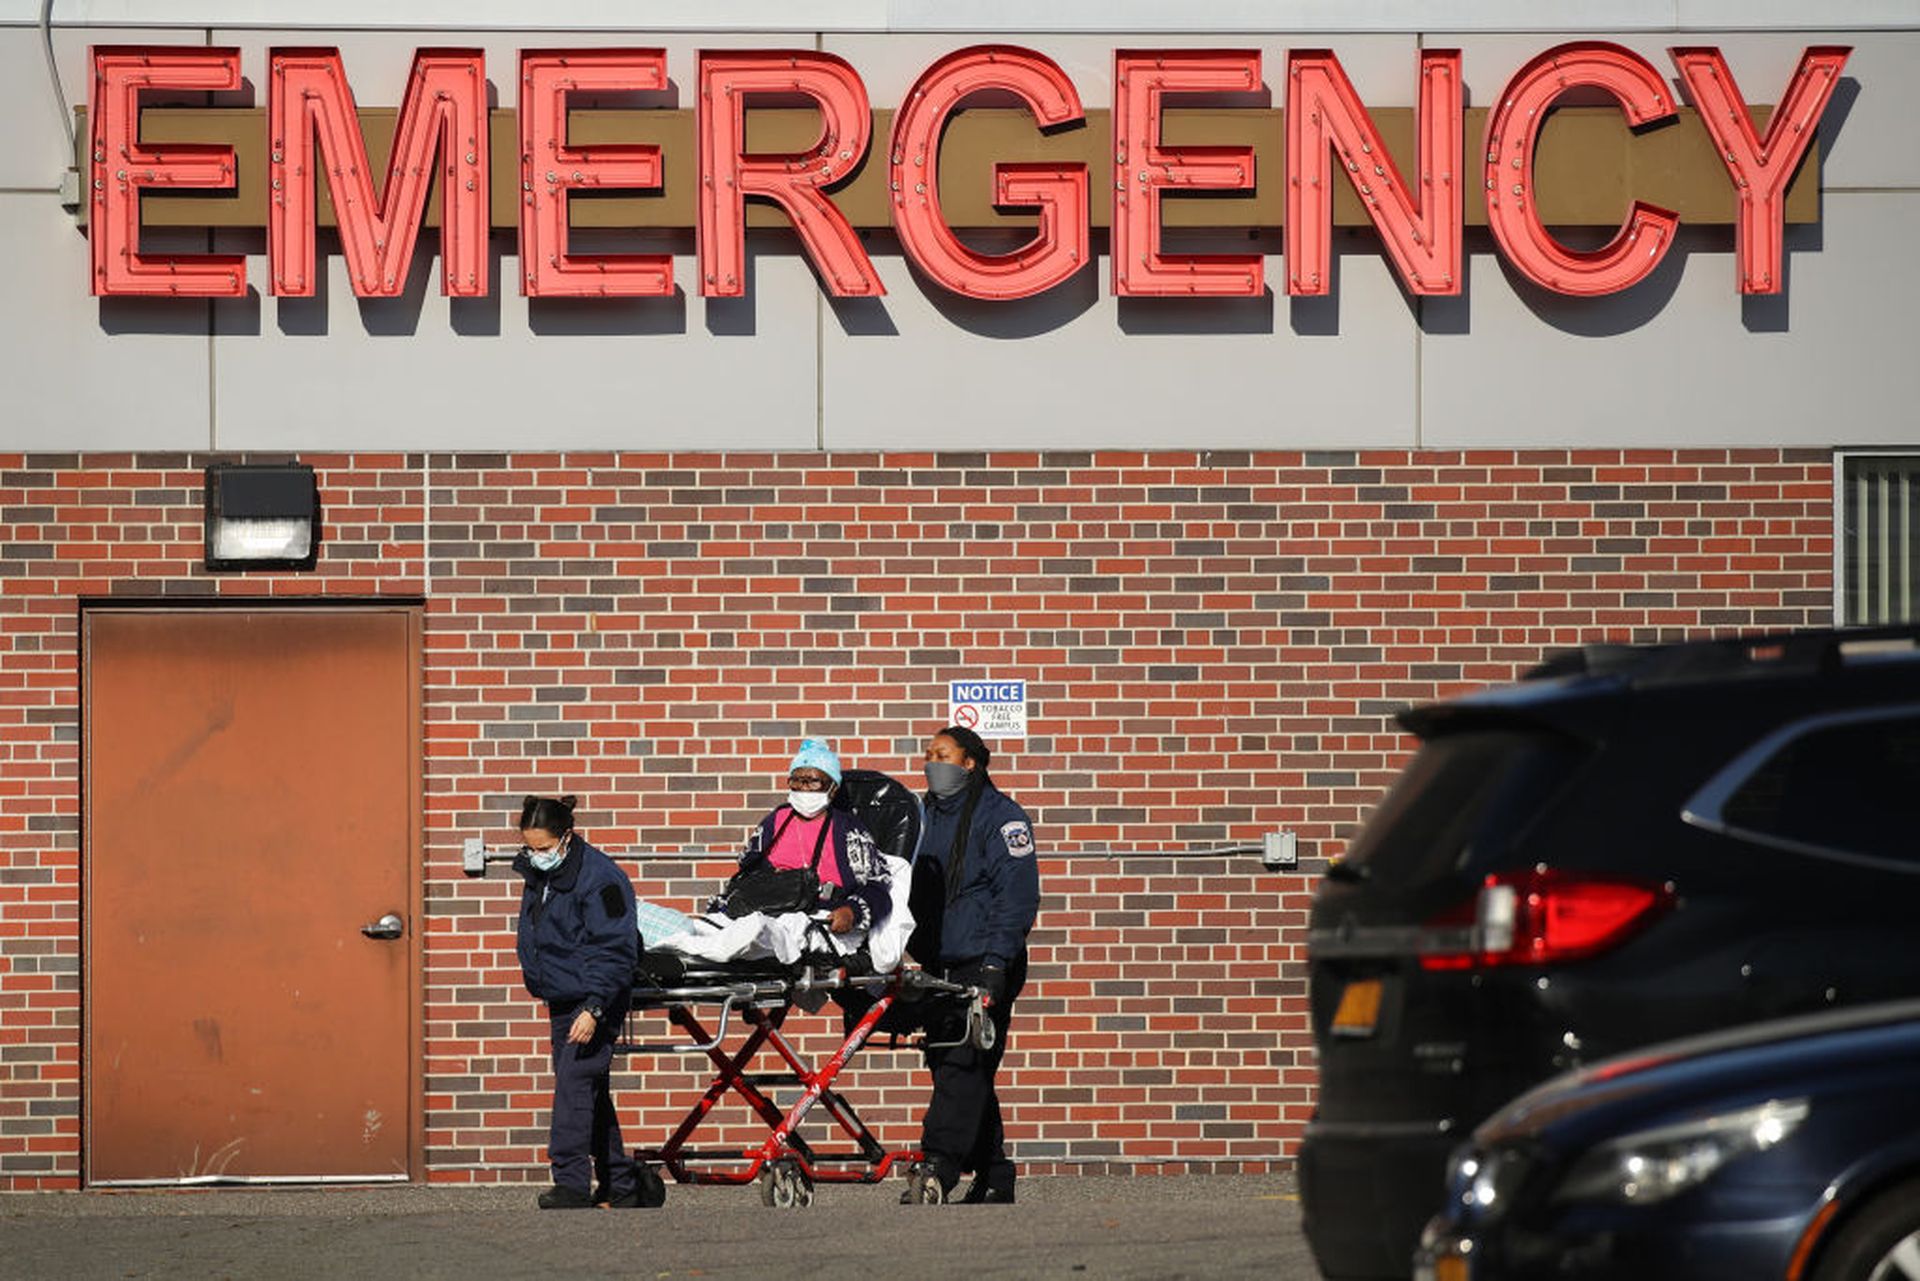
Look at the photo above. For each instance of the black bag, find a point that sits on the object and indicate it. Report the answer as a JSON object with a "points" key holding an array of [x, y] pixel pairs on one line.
{"points": [[764, 888], [773, 891], [890, 813]]}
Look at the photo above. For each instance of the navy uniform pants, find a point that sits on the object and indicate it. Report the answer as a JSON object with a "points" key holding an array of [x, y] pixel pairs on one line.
{"points": [[584, 1144], [962, 1125]]}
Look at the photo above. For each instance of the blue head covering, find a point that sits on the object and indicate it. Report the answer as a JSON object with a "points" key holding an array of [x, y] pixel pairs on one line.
{"points": [[814, 753]]}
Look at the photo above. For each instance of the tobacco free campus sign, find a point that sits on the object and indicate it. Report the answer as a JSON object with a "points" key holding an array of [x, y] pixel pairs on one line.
{"points": [[990, 708]]}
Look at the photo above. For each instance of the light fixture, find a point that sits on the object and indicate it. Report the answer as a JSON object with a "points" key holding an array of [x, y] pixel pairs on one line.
{"points": [[262, 516]]}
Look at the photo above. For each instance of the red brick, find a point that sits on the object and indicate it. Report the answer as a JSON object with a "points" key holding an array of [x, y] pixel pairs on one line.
{"points": [[1084, 588]]}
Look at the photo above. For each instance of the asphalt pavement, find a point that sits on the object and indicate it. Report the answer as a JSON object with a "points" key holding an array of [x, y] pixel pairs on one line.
{"points": [[1134, 1227]]}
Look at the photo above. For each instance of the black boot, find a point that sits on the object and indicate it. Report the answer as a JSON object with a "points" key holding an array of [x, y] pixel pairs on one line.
{"points": [[981, 1192], [562, 1197], [649, 1191], [993, 1185]]}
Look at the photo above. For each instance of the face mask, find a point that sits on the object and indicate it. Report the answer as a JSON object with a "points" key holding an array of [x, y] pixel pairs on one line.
{"points": [[547, 860], [807, 804], [947, 779]]}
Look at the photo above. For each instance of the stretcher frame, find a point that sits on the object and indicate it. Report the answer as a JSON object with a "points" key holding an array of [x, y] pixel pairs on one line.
{"points": [[785, 1165]]}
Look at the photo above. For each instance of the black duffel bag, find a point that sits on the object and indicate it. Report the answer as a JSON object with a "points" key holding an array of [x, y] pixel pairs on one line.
{"points": [[773, 891], [761, 887]]}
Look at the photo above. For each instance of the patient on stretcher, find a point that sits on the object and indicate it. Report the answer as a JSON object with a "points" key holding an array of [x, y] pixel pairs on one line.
{"points": [[810, 879]]}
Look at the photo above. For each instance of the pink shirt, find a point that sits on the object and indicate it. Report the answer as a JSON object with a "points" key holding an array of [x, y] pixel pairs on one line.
{"points": [[793, 847]]}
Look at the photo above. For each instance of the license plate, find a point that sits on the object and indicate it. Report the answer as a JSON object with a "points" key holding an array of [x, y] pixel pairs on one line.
{"points": [[1359, 1011], [1450, 1267]]}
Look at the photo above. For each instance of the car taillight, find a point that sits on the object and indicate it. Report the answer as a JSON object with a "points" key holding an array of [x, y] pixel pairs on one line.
{"points": [[1541, 917]]}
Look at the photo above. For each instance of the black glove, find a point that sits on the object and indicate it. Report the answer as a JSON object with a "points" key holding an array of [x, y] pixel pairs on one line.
{"points": [[992, 979]]}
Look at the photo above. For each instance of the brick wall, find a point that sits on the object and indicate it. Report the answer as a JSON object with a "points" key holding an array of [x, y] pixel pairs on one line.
{"points": [[1214, 645]]}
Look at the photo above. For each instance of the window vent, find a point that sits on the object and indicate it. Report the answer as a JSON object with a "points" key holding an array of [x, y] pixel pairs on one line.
{"points": [[1879, 549]]}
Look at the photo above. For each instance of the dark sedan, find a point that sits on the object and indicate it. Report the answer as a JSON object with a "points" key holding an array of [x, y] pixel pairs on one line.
{"points": [[1786, 1150]]}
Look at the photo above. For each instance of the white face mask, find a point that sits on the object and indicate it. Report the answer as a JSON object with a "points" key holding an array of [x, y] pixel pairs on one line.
{"points": [[547, 860], [807, 804]]}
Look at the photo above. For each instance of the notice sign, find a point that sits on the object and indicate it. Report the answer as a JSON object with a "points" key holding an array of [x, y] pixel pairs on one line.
{"points": [[991, 709]]}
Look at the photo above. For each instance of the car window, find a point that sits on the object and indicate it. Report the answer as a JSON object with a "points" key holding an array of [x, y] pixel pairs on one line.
{"points": [[1851, 787], [1463, 795]]}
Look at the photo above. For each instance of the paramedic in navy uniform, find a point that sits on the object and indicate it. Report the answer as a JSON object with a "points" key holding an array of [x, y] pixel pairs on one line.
{"points": [[976, 888], [578, 944]]}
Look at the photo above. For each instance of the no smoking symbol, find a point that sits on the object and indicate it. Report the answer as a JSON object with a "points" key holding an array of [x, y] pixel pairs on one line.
{"points": [[966, 716]]}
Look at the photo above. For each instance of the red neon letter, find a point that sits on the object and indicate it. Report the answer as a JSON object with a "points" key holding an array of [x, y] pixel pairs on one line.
{"points": [[1142, 167], [1060, 247], [1323, 110], [121, 167], [1761, 169], [308, 100], [549, 168], [794, 182], [1512, 130]]}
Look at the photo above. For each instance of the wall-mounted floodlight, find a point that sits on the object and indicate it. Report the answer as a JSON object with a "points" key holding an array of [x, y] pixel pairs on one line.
{"points": [[262, 516]]}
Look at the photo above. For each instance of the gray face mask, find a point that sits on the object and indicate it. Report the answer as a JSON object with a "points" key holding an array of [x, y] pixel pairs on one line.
{"points": [[947, 779]]}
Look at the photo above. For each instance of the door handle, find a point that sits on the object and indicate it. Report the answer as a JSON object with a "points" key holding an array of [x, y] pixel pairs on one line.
{"points": [[389, 926]]}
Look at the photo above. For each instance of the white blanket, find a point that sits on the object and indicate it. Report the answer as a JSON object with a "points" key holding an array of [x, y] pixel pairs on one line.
{"points": [[790, 935]]}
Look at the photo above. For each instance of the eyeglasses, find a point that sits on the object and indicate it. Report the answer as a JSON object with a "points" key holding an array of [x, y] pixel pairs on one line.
{"points": [[807, 783]]}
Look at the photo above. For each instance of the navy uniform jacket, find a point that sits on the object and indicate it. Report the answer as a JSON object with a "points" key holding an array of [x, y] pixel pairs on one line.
{"points": [[999, 892], [578, 940]]}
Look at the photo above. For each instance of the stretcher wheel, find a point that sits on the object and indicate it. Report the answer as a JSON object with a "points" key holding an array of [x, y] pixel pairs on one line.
{"points": [[984, 1033], [784, 1185]]}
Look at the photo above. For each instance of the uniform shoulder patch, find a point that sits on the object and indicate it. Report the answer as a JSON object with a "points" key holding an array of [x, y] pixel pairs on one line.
{"points": [[613, 901], [1019, 838]]}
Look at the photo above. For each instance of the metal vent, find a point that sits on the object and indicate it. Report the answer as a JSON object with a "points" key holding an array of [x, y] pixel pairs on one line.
{"points": [[1879, 538]]}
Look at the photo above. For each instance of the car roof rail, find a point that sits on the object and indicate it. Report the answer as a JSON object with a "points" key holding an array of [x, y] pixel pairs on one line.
{"points": [[1586, 660], [1802, 652]]}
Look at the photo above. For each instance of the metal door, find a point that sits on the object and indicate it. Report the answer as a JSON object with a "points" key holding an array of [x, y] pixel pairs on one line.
{"points": [[251, 819]]}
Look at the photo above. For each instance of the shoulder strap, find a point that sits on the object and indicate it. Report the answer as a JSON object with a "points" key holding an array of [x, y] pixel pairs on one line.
{"points": [[775, 838], [820, 841]]}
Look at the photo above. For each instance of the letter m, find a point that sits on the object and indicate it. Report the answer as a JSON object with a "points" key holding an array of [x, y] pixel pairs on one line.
{"points": [[314, 126]]}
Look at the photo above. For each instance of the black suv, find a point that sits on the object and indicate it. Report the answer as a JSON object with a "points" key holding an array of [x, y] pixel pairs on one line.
{"points": [[1632, 844]]}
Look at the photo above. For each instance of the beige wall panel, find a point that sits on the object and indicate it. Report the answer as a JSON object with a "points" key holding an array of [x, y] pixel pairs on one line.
{"points": [[33, 146], [428, 372], [1077, 368], [1381, 66], [1867, 136], [86, 373], [1682, 359]]}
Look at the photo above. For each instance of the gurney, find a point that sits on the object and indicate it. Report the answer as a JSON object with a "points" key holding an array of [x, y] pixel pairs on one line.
{"points": [[754, 998], [748, 1001]]}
